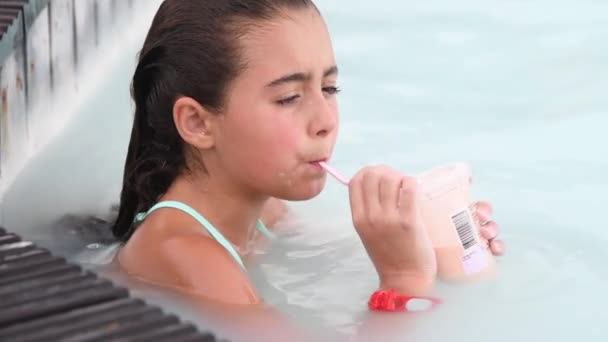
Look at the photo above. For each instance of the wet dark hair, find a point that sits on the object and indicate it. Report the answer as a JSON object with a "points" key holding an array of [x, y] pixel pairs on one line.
{"points": [[191, 50]]}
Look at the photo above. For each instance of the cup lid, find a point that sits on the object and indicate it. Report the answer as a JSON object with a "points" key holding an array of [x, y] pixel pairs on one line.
{"points": [[443, 178]]}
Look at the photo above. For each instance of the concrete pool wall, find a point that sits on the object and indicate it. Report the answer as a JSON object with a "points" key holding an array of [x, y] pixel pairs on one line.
{"points": [[45, 53]]}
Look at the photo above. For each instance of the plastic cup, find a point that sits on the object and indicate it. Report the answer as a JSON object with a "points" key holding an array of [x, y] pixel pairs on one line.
{"points": [[445, 200]]}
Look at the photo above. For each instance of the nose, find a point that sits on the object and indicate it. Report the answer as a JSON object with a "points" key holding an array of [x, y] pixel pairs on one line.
{"points": [[324, 120]]}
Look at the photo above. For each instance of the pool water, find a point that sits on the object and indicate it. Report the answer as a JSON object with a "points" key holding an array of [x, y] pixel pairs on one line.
{"points": [[517, 89]]}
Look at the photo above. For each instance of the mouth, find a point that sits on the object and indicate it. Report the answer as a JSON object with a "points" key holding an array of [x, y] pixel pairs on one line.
{"points": [[316, 162]]}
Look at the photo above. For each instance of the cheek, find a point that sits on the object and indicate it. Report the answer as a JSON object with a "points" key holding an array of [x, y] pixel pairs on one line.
{"points": [[278, 144], [284, 135], [266, 142]]}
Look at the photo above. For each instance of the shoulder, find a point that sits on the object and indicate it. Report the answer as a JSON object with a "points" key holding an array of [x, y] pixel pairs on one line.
{"points": [[206, 268], [186, 259]]}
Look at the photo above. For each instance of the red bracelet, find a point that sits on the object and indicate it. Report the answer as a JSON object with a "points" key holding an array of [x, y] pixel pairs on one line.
{"points": [[392, 302]]}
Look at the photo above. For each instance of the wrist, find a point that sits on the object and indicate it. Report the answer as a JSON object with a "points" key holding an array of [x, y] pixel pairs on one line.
{"points": [[408, 284], [403, 294], [397, 292]]}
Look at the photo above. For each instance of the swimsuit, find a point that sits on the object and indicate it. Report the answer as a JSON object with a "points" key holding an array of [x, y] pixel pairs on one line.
{"points": [[207, 225]]}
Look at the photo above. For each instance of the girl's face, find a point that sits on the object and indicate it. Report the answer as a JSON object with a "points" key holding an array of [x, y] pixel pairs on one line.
{"points": [[281, 113]]}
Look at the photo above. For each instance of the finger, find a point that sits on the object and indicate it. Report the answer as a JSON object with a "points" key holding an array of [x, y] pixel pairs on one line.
{"points": [[489, 231], [371, 195], [357, 206], [484, 211], [485, 244], [390, 186], [407, 197], [497, 247]]}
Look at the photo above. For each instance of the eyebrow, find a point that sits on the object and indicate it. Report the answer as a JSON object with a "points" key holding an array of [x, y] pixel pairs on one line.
{"points": [[301, 77]]}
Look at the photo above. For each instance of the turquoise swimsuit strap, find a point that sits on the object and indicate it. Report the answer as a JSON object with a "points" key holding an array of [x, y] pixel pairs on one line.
{"points": [[207, 225]]}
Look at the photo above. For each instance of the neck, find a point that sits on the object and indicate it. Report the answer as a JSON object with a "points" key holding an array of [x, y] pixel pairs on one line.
{"points": [[234, 214]]}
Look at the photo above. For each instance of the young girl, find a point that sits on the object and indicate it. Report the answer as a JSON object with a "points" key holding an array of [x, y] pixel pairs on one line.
{"points": [[235, 108]]}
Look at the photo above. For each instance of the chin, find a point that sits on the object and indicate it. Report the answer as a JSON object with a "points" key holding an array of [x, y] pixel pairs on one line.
{"points": [[304, 192]]}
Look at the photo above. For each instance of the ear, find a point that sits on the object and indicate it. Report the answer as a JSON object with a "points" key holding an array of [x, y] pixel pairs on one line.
{"points": [[194, 123]]}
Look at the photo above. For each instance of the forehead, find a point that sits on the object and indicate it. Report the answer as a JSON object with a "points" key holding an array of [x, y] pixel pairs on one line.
{"points": [[296, 40]]}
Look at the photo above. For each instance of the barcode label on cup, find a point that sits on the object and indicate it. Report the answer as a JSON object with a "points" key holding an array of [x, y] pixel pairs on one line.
{"points": [[474, 259], [464, 227]]}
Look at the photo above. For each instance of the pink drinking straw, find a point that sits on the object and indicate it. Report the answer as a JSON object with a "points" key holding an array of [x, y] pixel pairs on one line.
{"points": [[334, 173]]}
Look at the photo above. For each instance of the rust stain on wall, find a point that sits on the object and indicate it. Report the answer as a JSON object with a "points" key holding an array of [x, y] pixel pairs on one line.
{"points": [[3, 121], [19, 82], [4, 105]]}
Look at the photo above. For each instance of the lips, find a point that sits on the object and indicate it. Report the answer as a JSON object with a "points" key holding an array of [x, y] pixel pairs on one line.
{"points": [[318, 160]]}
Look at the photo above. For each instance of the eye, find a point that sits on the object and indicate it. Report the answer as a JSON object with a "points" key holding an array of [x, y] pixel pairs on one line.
{"points": [[288, 100], [331, 90]]}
